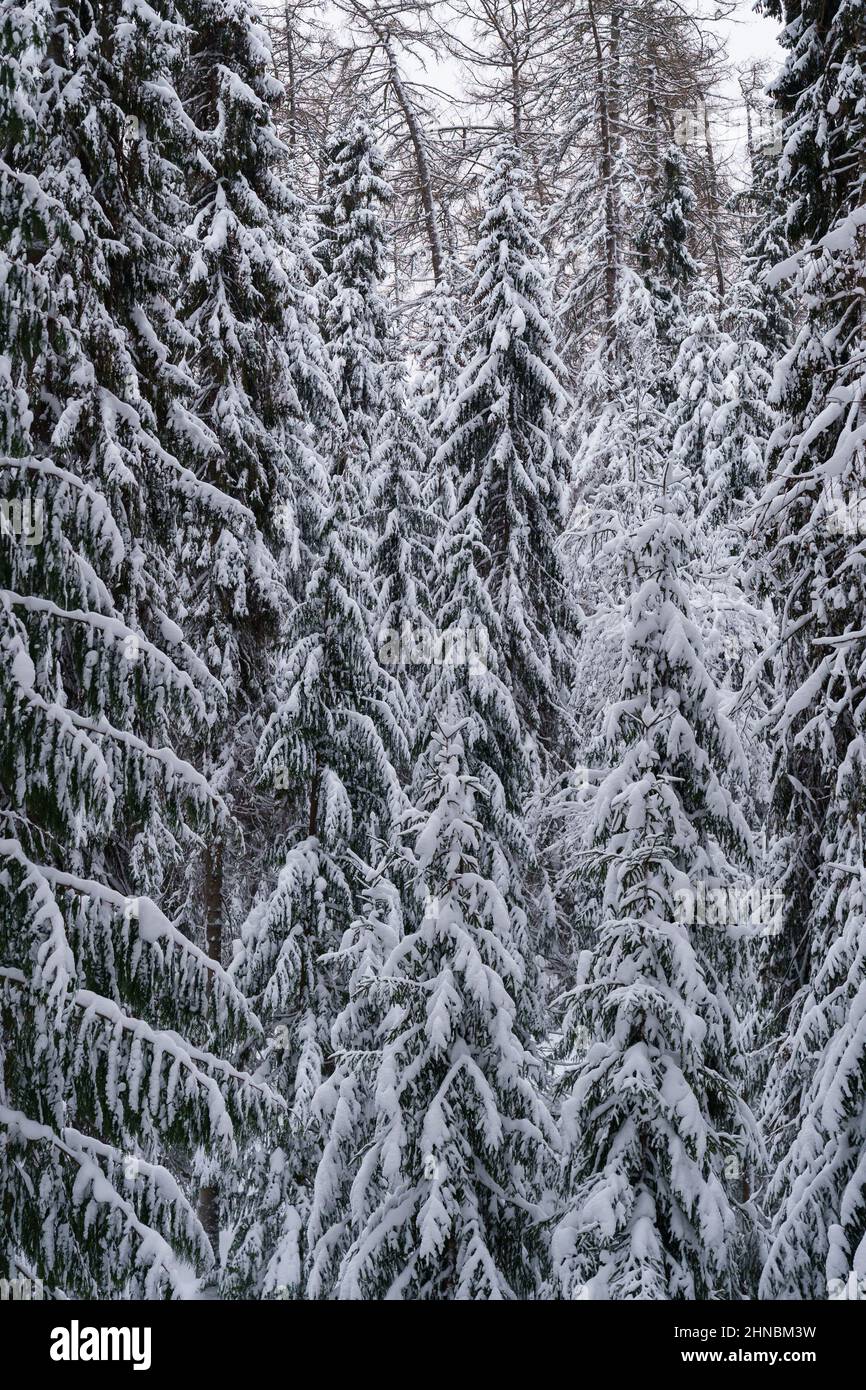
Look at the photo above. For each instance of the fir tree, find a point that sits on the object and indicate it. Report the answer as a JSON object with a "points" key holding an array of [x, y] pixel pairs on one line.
{"points": [[618, 429], [743, 419], [767, 245], [697, 380], [439, 335], [345, 1104], [432, 388]]}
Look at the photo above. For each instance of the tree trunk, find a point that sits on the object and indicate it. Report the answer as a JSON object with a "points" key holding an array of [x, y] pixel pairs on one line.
{"points": [[290, 82], [421, 164], [516, 105], [607, 177], [714, 215]]}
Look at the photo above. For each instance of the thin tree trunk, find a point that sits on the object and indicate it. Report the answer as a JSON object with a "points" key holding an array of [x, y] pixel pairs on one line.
{"points": [[652, 113], [714, 192], [516, 105], [607, 168], [422, 166], [290, 82], [750, 134]]}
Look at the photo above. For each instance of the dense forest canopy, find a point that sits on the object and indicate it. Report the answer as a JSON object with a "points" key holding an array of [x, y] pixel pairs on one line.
{"points": [[433, 626]]}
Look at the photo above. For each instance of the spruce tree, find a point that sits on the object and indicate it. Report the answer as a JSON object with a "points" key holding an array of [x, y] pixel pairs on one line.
{"points": [[345, 1106], [443, 1196], [618, 434], [257, 360], [767, 245], [743, 419], [622, 428], [697, 383], [813, 530], [254, 349], [432, 388], [666, 263], [504, 440], [332, 743], [355, 319], [405, 640], [405, 534], [121, 1026], [439, 334], [654, 1121]]}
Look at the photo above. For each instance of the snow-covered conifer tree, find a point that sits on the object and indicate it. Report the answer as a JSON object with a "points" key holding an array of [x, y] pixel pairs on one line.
{"points": [[666, 263], [345, 1103], [332, 742], [504, 441], [813, 528], [355, 319], [444, 1192], [257, 360], [255, 348], [440, 333], [617, 425], [120, 1026], [618, 433], [696, 380], [433, 385], [743, 419], [767, 245], [720, 418], [406, 527], [622, 429], [657, 1136], [340, 731]]}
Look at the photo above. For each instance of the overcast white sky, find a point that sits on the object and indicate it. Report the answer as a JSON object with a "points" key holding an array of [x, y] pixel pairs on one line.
{"points": [[749, 36], [752, 36]]}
